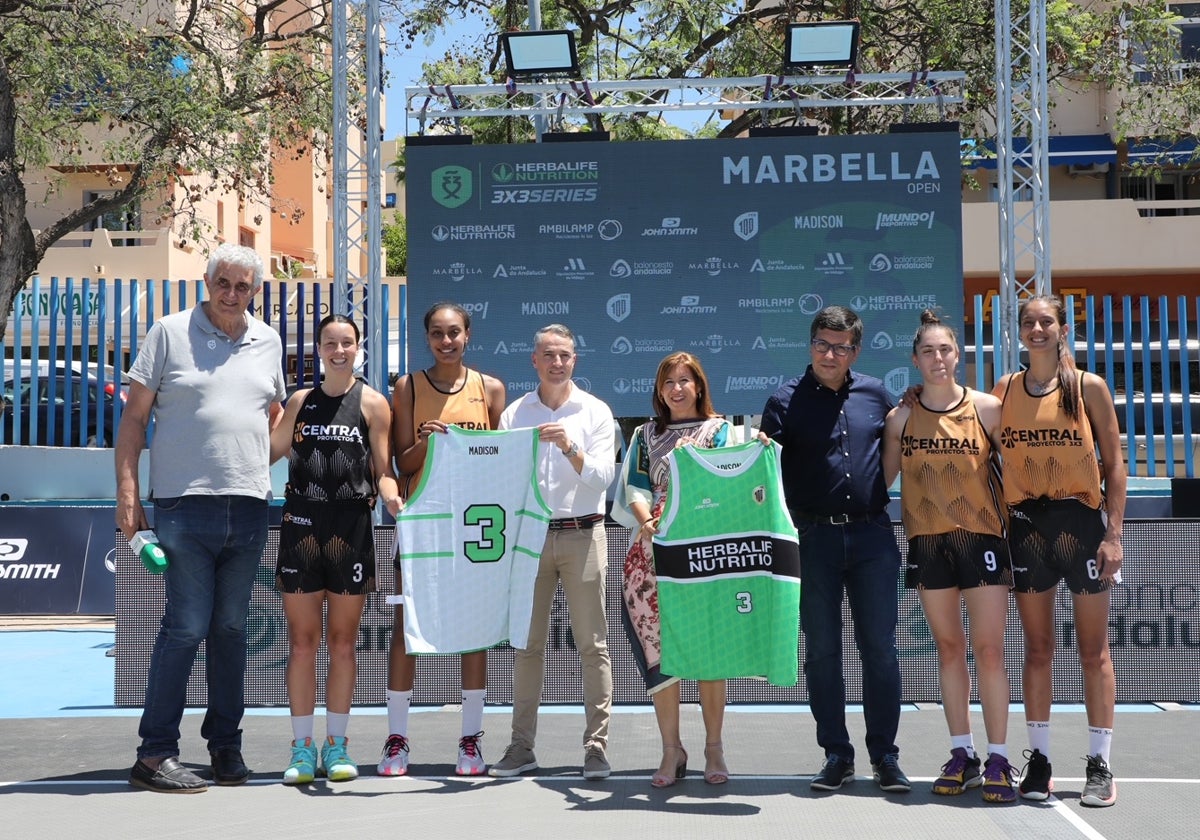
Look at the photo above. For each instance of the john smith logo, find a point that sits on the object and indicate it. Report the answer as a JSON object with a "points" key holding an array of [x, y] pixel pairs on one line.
{"points": [[452, 186], [12, 548]]}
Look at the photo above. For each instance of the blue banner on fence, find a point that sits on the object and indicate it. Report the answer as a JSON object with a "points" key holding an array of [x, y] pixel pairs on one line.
{"points": [[56, 560]]}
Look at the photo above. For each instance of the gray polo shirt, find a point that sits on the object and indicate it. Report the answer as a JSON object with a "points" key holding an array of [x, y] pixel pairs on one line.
{"points": [[212, 397]]}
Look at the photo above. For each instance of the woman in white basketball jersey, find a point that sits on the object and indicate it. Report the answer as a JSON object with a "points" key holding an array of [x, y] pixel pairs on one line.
{"points": [[423, 403]]}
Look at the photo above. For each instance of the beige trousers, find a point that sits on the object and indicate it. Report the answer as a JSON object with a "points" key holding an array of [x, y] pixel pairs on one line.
{"points": [[578, 558]]}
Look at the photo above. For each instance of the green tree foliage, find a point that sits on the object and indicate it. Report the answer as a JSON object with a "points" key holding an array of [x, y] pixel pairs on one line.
{"points": [[395, 241], [1088, 44], [146, 93]]}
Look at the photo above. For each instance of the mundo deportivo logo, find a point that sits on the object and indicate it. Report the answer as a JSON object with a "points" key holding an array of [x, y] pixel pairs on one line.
{"points": [[452, 186]]}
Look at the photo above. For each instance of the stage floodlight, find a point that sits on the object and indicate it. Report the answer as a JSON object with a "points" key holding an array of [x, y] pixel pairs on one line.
{"points": [[576, 137], [829, 43], [439, 140], [548, 52]]}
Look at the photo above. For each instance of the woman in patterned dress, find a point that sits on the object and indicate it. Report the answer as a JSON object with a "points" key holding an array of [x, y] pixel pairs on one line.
{"points": [[683, 414]]}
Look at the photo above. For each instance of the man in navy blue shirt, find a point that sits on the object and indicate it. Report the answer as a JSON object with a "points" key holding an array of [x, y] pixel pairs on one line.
{"points": [[830, 424]]}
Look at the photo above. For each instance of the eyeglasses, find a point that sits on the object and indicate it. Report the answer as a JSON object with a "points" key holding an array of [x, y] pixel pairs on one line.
{"points": [[840, 350], [239, 289]]}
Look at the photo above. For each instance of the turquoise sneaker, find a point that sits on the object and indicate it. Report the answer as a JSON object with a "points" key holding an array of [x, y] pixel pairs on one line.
{"points": [[338, 766], [304, 763]]}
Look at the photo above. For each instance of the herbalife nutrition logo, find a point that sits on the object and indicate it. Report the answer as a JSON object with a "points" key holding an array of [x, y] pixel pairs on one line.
{"points": [[452, 186]]}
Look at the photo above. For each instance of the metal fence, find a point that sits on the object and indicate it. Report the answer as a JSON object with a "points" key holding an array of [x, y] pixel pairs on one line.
{"points": [[1147, 350], [68, 341]]}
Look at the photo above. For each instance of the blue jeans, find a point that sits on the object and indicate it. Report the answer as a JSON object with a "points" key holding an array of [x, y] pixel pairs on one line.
{"points": [[862, 560], [214, 546]]}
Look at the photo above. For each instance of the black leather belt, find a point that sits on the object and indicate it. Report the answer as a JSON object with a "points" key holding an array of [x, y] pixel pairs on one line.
{"points": [[834, 519], [577, 523]]}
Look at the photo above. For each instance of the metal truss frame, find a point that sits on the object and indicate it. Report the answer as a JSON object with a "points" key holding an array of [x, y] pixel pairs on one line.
{"points": [[357, 180], [1023, 109], [1021, 71], [559, 99]]}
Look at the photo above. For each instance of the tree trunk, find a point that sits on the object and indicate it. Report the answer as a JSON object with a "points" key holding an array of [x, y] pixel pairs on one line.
{"points": [[18, 250]]}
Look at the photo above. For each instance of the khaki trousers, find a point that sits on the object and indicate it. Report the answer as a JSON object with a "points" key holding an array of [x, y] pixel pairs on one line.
{"points": [[578, 558]]}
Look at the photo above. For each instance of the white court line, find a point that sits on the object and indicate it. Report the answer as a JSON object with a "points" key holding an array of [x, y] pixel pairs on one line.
{"points": [[1077, 822]]}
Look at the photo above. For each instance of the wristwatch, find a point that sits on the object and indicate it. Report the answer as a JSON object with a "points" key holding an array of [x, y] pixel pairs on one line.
{"points": [[572, 450]]}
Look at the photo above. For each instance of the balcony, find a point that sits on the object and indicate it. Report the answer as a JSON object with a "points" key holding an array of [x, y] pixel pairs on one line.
{"points": [[120, 254], [1093, 238]]}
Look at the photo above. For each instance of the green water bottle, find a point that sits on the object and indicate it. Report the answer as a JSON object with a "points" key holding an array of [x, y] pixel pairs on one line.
{"points": [[145, 546]]}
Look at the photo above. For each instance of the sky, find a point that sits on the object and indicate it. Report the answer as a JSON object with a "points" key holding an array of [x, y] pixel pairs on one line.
{"points": [[403, 68]]}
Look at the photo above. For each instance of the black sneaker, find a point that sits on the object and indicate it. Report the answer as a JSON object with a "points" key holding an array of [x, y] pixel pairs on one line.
{"points": [[1035, 777], [889, 775], [836, 771], [1099, 791]]}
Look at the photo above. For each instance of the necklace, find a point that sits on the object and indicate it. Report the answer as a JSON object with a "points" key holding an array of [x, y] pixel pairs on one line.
{"points": [[1039, 388]]}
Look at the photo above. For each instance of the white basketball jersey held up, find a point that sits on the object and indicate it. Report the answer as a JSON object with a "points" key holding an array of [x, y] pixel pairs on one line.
{"points": [[469, 542]]}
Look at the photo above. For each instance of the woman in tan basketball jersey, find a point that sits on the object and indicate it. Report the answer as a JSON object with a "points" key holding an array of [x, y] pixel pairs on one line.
{"points": [[1065, 525], [943, 443], [423, 403]]}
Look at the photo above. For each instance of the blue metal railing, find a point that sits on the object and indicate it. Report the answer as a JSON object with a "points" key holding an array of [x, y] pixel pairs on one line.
{"points": [[68, 342], [1146, 350], [64, 332]]}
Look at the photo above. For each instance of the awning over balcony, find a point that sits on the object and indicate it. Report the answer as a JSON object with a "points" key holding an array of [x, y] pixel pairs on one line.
{"points": [[1071, 149], [1162, 151]]}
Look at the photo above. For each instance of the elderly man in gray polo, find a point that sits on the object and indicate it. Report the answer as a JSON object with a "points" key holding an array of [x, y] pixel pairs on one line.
{"points": [[213, 378]]}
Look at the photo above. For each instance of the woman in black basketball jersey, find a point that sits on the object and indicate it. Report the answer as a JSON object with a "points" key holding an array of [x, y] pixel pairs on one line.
{"points": [[337, 438]]}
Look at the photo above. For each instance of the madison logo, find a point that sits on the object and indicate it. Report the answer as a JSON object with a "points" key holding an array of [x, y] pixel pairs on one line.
{"points": [[452, 186]]}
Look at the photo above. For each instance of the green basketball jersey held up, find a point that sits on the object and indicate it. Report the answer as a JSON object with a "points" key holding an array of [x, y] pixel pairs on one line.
{"points": [[728, 567]]}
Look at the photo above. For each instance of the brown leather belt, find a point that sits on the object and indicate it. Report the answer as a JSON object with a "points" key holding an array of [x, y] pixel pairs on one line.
{"points": [[577, 523]]}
